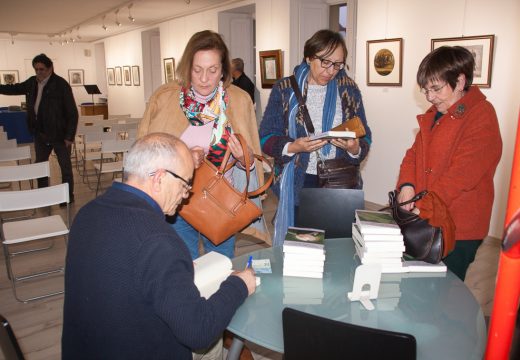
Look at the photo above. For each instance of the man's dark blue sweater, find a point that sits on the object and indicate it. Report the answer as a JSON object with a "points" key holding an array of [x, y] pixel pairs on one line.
{"points": [[129, 291]]}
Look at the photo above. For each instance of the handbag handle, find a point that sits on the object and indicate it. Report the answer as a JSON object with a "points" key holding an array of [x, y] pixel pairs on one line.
{"points": [[303, 108], [224, 167], [417, 196]]}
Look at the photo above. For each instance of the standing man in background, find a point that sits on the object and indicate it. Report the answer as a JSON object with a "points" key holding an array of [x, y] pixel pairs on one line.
{"points": [[52, 116], [240, 79]]}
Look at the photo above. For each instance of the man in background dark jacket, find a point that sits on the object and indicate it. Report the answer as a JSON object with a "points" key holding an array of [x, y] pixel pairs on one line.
{"points": [[240, 79], [52, 116]]}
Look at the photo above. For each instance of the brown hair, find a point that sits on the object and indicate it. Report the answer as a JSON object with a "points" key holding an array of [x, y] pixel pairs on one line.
{"points": [[446, 64], [203, 40], [327, 40]]}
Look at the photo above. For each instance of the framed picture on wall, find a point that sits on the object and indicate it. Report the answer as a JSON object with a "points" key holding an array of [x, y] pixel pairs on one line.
{"points": [[127, 75], [385, 62], [135, 75], [111, 78], [482, 49], [169, 70], [76, 77], [119, 76], [8, 77], [270, 67]]}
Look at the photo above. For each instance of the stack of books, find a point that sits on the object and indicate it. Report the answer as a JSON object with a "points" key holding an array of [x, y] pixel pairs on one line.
{"points": [[378, 240], [304, 253]]}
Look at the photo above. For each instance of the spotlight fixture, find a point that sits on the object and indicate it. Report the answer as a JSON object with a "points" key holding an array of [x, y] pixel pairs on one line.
{"points": [[117, 18], [104, 26], [130, 17]]}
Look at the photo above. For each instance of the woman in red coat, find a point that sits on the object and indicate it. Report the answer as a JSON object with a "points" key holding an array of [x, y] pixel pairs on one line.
{"points": [[456, 151]]}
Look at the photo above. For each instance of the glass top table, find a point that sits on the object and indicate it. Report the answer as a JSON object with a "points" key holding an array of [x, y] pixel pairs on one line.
{"points": [[436, 308]]}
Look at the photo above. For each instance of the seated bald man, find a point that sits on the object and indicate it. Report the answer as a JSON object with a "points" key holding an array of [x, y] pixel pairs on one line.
{"points": [[129, 290]]}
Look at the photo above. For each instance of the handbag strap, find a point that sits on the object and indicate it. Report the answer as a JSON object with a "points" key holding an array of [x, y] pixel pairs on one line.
{"points": [[302, 106], [417, 196]]}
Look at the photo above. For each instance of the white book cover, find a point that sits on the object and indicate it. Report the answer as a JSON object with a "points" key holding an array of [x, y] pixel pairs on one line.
{"points": [[211, 270], [310, 274], [334, 135], [376, 222], [422, 266], [302, 267], [302, 248], [305, 257], [378, 247], [380, 238]]}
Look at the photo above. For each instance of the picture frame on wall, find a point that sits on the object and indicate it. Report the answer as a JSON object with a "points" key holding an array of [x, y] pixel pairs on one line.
{"points": [[119, 76], [385, 62], [169, 70], [8, 77], [127, 75], [111, 77], [76, 77], [481, 47], [136, 76], [270, 67]]}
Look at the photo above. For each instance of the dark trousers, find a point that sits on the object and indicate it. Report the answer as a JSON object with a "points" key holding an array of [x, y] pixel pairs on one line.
{"points": [[43, 149], [462, 256]]}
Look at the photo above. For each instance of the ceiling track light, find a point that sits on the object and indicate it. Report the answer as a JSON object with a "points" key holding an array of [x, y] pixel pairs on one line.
{"points": [[104, 26], [130, 17], [117, 18]]}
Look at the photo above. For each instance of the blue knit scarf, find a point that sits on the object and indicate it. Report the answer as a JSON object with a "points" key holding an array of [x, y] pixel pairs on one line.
{"points": [[285, 212]]}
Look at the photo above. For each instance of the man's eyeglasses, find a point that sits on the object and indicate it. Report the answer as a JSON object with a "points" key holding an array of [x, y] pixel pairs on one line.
{"points": [[186, 184], [433, 89], [327, 63]]}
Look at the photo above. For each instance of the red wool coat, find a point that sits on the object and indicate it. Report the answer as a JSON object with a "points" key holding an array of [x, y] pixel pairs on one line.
{"points": [[457, 159]]}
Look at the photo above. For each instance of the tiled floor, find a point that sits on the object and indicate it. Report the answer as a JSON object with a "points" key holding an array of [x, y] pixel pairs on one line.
{"points": [[38, 325]]}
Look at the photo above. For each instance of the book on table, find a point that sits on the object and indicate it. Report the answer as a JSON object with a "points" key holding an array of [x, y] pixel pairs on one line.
{"points": [[376, 222], [211, 270], [389, 239], [332, 134], [304, 241]]}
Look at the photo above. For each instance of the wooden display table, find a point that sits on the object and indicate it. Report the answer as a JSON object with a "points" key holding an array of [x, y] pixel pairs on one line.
{"points": [[95, 109]]}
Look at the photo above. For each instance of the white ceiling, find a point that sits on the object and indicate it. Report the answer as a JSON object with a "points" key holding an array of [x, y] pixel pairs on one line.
{"points": [[62, 20]]}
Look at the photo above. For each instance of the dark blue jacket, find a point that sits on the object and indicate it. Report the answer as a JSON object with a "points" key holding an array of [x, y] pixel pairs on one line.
{"points": [[129, 291]]}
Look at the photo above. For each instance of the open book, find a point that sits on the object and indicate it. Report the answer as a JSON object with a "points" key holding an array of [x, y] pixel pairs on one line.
{"points": [[334, 135], [211, 270]]}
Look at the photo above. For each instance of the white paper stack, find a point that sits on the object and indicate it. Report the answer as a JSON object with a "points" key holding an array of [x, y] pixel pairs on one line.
{"points": [[304, 253], [378, 239]]}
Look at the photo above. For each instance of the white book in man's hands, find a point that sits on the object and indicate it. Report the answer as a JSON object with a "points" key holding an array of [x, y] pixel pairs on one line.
{"points": [[327, 135], [211, 270]]}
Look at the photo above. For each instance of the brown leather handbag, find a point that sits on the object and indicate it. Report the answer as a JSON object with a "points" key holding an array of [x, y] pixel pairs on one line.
{"points": [[215, 208]]}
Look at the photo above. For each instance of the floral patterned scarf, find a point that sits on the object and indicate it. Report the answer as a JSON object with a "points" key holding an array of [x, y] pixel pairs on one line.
{"points": [[200, 111]]}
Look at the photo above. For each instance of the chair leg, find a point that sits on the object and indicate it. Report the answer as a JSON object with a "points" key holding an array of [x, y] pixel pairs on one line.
{"points": [[245, 354]]}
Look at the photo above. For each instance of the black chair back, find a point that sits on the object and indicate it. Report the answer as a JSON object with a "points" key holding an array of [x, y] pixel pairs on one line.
{"points": [[307, 336], [8, 342]]}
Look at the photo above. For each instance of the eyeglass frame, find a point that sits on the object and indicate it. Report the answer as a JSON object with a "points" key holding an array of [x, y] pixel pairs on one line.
{"points": [[432, 89], [187, 185], [332, 63]]}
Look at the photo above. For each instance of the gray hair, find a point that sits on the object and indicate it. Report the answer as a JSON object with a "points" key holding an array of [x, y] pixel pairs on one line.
{"points": [[149, 153], [238, 64]]}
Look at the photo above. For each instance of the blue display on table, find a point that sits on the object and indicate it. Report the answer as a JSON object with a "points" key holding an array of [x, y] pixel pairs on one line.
{"points": [[15, 125]]}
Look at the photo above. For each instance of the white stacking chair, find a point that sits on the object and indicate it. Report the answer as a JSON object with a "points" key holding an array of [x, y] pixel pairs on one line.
{"points": [[16, 154], [122, 129], [24, 172], [111, 148], [15, 233], [119, 116], [89, 118], [3, 136], [92, 143], [11, 143]]}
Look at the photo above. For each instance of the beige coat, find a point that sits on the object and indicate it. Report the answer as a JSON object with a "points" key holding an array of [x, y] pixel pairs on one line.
{"points": [[164, 114]]}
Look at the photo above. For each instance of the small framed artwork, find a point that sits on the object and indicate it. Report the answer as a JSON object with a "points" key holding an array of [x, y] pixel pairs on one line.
{"points": [[119, 76], [111, 79], [385, 62], [8, 77], [482, 49], [127, 75], [169, 70], [270, 67], [135, 75], [76, 77]]}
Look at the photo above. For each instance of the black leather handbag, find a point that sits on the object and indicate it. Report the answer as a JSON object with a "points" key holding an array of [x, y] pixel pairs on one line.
{"points": [[421, 240]]}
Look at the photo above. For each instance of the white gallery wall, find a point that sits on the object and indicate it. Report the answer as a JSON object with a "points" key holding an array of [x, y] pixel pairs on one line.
{"points": [[391, 111]]}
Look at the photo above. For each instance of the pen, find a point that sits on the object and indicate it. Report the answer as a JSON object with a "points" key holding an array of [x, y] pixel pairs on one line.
{"points": [[249, 262]]}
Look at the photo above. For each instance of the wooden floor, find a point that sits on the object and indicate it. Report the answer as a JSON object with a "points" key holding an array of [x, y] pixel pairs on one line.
{"points": [[37, 325]]}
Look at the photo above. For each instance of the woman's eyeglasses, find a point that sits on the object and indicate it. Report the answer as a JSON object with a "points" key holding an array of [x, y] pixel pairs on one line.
{"points": [[327, 63], [433, 89], [186, 184]]}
